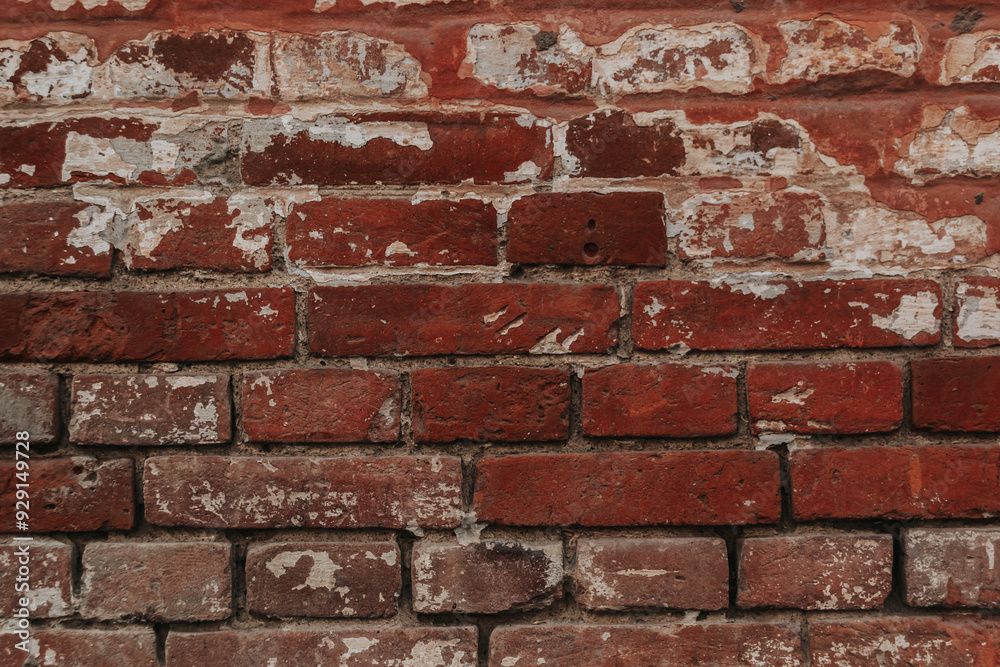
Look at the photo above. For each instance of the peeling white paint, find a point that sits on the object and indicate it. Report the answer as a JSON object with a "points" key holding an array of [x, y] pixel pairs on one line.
{"points": [[914, 315]]}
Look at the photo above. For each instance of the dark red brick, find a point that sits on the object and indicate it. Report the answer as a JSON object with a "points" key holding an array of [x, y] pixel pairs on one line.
{"points": [[977, 311], [615, 574], [954, 567], [324, 579], [897, 482], [209, 325], [674, 400], [150, 409], [358, 647], [786, 315], [625, 228], [609, 144], [416, 320], [663, 645], [54, 239], [50, 577], [486, 577], [433, 148], [181, 581], [121, 647], [818, 397], [70, 494], [501, 403], [395, 232], [29, 402], [905, 641], [321, 405], [956, 394], [626, 489], [828, 571], [273, 492]]}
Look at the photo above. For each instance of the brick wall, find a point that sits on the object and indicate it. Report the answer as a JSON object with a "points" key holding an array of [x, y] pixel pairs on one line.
{"points": [[428, 333]]}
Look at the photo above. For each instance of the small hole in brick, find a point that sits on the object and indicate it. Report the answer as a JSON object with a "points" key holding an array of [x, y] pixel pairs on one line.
{"points": [[591, 224], [590, 249]]}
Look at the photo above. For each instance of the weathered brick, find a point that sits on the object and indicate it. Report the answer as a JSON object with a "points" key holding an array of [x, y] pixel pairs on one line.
{"points": [[956, 394], [664, 645], [324, 579], [196, 230], [417, 320], [584, 228], [70, 494], [786, 315], [357, 647], [50, 578], [790, 224], [247, 492], [614, 574], [971, 58], [55, 239], [150, 409], [55, 68], [675, 400], [344, 64], [121, 647], [394, 232], [817, 397], [503, 403], [815, 571], [609, 144], [628, 489], [486, 577], [955, 567], [182, 581], [396, 148], [901, 641], [977, 312], [827, 46], [895, 482], [951, 141], [29, 402], [209, 325], [321, 405]]}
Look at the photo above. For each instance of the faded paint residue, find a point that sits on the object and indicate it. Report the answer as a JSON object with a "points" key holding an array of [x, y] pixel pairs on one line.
{"points": [[971, 58], [951, 143], [57, 68], [977, 317], [322, 573], [915, 314]]}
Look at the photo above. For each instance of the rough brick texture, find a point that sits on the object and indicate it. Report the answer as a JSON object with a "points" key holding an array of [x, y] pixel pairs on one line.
{"points": [[437, 333]]}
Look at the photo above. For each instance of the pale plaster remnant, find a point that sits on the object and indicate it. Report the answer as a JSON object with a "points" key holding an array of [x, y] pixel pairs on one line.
{"points": [[67, 75], [951, 143], [978, 317], [322, 574], [914, 315], [971, 58]]}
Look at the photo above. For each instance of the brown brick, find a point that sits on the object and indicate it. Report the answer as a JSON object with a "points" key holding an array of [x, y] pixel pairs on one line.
{"points": [[954, 567], [29, 402], [121, 647], [50, 577]]}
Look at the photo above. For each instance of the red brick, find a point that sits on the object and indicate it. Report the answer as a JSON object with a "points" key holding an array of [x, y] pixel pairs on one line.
{"points": [[78, 494], [55, 68], [609, 144], [247, 492], [324, 579], [673, 400], [955, 567], [50, 578], [209, 325], [625, 228], [956, 394], [322, 405], [835, 397], [663, 645], [628, 489], [121, 647], [786, 315], [397, 148], [789, 224], [150, 410], [903, 641], [54, 239], [200, 232], [29, 402], [507, 404], [815, 571], [615, 574], [394, 232], [897, 482], [182, 581], [977, 312], [969, 58], [417, 320], [358, 647], [486, 577]]}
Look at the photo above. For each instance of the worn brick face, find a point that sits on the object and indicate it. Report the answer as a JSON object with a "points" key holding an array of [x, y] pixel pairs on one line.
{"points": [[956, 394], [951, 567], [898, 641], [54, 238], [29, 402], [121, 647], [51, 577]]}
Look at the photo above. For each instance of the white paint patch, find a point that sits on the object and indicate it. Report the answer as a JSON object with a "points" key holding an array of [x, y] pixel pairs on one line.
{"points": [[971, 58], [978, 317], [914, 315], [93, 155], [322, 574]]}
